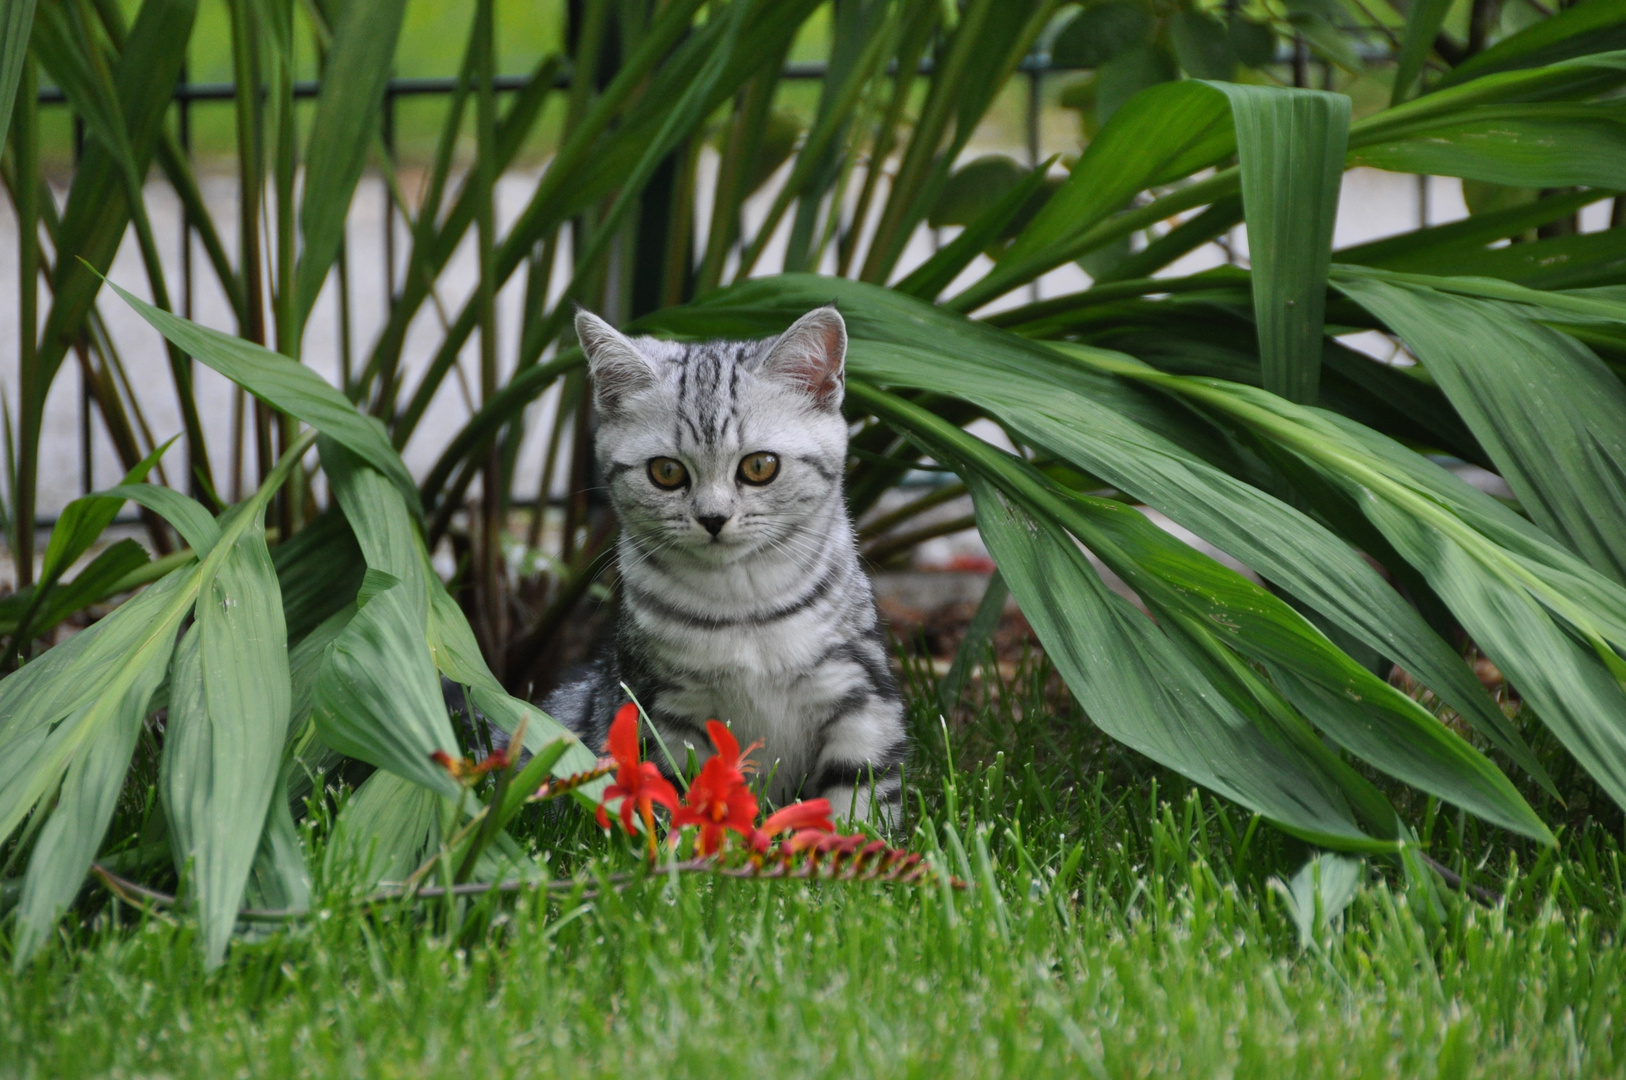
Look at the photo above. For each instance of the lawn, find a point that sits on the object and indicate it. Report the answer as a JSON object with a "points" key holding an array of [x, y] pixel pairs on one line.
{"points": [[1114, 922]]}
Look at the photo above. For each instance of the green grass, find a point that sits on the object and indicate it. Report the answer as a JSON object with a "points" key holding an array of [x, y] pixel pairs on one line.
{"points": [[1163, 951]]}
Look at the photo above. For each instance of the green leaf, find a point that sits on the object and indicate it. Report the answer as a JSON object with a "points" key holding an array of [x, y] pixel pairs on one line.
{"points": [[1135, 69], [1423, 21], [1253, 43], [1100, 32], [1291, 145], [86, 518], [974, 188], [94, 583], [1141, 690], [88, 796], [195, 524], [97, 214], [279, 878], [228, 715], [16, 19], [347, 110], [57, 705], [1592, 27], [289, 386], [1012, 208], [1202, 45], [1355, 708], [385, 830], [378, 698], [1549, 413], [1536, 146], [69, 715]]}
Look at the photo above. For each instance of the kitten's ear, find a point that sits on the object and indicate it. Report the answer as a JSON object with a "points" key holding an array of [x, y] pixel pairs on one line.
{"points": [[810, 356], [617, 367]]}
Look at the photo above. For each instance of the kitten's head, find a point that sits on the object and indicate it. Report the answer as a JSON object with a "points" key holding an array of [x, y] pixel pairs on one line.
{"points": [[721, 448]]}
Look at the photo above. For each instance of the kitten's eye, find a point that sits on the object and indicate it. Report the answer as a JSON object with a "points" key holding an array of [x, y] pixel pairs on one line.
{"points": [[668, 473], [759, 468]]}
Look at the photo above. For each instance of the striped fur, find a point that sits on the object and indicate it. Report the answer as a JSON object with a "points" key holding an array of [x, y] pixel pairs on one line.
{"points": [[770, 623]]}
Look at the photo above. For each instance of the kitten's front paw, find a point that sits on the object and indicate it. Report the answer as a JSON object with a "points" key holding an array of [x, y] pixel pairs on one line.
{"points": [[879, 806]]}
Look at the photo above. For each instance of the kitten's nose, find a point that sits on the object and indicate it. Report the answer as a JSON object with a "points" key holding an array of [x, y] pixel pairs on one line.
{"points": [[713, 522]]}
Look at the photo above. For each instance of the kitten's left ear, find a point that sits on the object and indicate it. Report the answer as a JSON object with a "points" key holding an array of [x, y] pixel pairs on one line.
{"points": [[810, 356]]}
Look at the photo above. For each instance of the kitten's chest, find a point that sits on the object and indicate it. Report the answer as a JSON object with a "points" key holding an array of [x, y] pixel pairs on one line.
{"points": [[777, 685]]}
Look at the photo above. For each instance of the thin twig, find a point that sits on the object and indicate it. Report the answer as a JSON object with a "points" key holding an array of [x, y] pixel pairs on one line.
{"points": [[887, 867]]}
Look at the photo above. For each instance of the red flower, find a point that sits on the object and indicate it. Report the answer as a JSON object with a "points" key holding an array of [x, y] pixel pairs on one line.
{"points": [[810, 816], [718, 800], [639, 784]]}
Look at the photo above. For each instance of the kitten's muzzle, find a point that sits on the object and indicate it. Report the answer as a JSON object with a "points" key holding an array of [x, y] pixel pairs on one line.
{"points": [[713, 523]]}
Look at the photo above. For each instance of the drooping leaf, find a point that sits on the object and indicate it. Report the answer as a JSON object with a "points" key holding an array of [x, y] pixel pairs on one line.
{"points": [[378, 697], [229, 704], [290, 386], [1546, 409]]}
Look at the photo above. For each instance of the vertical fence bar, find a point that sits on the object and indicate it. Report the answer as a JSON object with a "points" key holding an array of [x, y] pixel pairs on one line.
{"points": [[185, 94], [87, 470], [1035, 74], [389, 203]]}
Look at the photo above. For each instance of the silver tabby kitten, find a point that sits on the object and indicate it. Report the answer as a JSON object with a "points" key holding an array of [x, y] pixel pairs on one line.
{"points": [[742, 597]]}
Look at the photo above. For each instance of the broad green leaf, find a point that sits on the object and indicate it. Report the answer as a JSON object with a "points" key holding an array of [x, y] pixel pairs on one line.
{"points": [[305, 664], [378, 698], [1465, 240], [85, 803], [1218, 609], [392, 545], [319, 571], [1536, 146], [383, 526], [1548, 620], [1352, 706], [228, 715], [1546, 409], [289, 386], [67, 716], [55, 706], [1291, 146], [1138, 688], [347, 110]]}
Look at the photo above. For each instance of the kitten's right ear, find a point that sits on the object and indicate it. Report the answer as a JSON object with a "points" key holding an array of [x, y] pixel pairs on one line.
{"points": [[618, 369]]}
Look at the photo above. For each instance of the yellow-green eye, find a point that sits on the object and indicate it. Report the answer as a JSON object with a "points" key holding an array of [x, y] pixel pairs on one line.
{"points": [[759, 468], [668, 473]]}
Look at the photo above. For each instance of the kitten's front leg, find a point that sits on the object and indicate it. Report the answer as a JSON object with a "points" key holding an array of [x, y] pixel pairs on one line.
{"points": [[860, 764]]}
